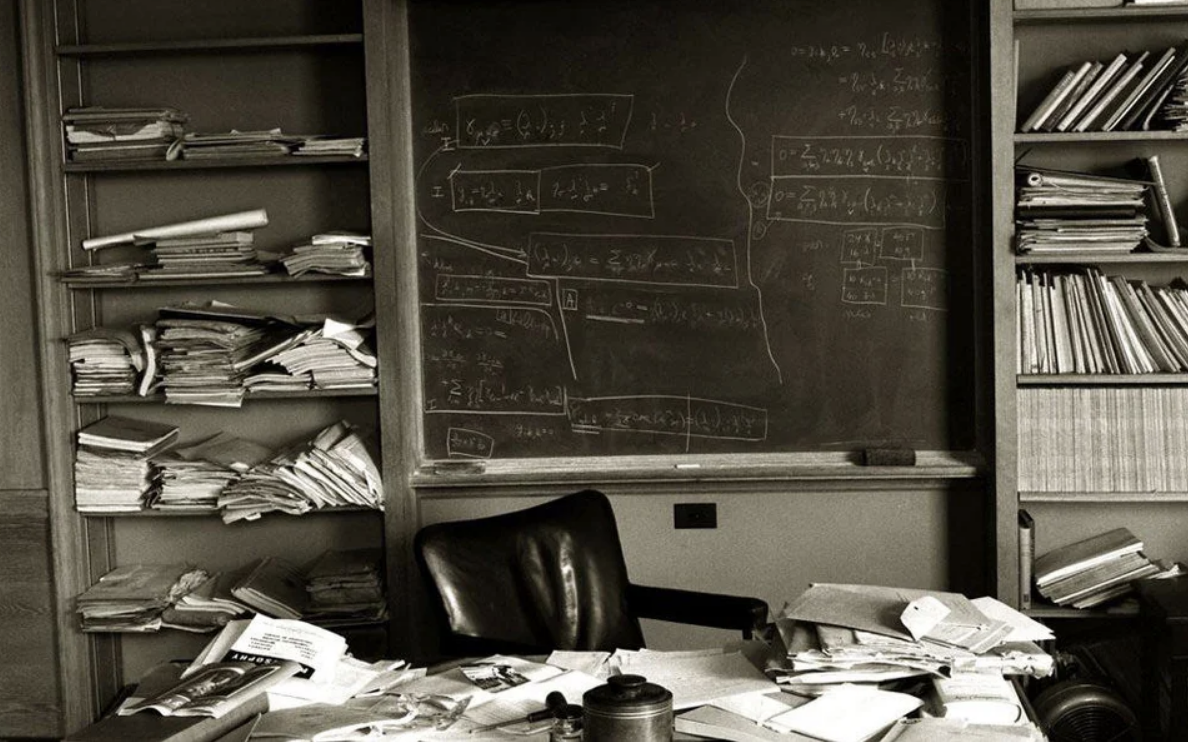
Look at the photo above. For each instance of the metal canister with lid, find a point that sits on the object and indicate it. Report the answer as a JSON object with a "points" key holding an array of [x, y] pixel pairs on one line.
{"points": [[627, 707]]}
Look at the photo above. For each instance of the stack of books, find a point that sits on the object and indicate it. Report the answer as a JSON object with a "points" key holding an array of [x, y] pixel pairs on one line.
{"points": [[334, 253], [214, 254], [209, 606], [95, 133], [1125, 93], [1059, 212], [334, 469], [104, 361], [322, 144], [113, 468], [260, 143], [132, 598], [345, 587], [1081, 321], [1095, 570]]}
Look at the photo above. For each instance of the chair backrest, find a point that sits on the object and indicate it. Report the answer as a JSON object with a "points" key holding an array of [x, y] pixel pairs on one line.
{"points": [[547, 577]]}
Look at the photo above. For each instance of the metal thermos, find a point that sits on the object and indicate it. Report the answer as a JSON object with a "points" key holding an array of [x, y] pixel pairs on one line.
{"points": [[627, 707]]}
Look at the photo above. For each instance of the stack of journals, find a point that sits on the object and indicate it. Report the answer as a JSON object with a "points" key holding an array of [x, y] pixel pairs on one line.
{"points": [[104, 361], [335, 469], [94, 133], [345, 587], [261, 143], [274, 587], [113, 471], [1125, 93], [1120, 439], [1095, 570], [336, 253], [1059, 212], [132, 598], [214, 254], [1081, 321]]}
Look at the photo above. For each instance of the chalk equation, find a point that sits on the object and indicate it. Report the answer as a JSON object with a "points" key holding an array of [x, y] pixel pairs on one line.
{"points": [[690, 417], [924, 157], [487, 121], [608, 189], [654, 259]]}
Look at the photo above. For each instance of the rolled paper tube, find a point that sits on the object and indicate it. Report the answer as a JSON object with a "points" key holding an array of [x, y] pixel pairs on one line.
{"points": [[225, 223]]}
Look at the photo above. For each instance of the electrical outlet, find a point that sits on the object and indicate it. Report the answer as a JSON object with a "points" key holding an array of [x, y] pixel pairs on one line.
{"points": [[695, 515]]}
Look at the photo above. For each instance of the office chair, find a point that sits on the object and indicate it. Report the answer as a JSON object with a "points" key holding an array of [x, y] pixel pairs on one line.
{"points": [[551, 577]]}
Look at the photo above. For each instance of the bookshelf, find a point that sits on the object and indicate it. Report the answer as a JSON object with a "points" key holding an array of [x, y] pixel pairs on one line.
{"points": [[1029, 49], [300, 65]]}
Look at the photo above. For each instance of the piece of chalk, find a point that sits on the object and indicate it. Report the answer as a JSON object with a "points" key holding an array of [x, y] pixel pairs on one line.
{"points": [[888, 457]]}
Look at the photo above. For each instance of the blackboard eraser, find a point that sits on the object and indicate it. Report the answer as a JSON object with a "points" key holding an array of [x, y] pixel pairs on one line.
{"points": [[458, 467], [888, 457]]}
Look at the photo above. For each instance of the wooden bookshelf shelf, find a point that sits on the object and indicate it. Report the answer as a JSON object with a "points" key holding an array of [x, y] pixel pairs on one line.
{"points": [[158, 398], [229, 162], [208, 45], [215, 513], [1124, 610], [1101, 379], [1113, 15], [1103, 497], [1074, 258], [1059, 137], [271, 278]]}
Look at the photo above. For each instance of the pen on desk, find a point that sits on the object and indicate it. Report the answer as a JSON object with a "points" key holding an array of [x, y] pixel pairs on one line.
{"points": [[554, 701]]}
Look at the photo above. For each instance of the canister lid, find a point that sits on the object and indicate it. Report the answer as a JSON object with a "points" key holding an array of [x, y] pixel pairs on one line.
{"points": [[627, 694]]}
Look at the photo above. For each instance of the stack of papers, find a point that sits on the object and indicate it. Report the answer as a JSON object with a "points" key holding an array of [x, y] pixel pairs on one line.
{"points": [[95, 133], [208, 607], [335, 253], [334, 469], [322, 144], [871, 634], [260, 143], [105, 361], [113, 468]]}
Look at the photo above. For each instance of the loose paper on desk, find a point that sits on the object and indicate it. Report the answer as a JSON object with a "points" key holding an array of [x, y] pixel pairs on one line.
{"points": [[932, 729], [847, 714], [698, 678]]}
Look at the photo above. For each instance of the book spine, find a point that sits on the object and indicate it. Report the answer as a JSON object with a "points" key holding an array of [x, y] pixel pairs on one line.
{"points": [[1026, 557], [1163, 201]]}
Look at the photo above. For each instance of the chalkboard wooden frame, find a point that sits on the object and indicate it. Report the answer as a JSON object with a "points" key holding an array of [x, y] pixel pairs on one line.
{"points": [[799, 462]]}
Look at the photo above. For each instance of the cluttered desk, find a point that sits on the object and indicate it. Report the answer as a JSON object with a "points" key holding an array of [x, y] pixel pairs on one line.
{"points": [[840, 663]]}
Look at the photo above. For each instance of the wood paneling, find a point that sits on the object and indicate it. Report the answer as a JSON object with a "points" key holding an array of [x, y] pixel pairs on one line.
{"points": [[29, 697], [21, 464]]}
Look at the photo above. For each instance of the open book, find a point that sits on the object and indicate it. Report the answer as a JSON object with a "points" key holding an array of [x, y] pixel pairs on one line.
{"points": [[216, 689]]}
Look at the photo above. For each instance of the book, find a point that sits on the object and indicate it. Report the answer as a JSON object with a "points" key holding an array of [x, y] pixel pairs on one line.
{"points": [[1093, 92], [215, 689], [1142, 84], [1026, 556], [119, 433], [1163, 200], [1055, 96], [1147, 104], [1079, 555], [847, 714], [1074, 95], [1100, 110], [275, 587]]}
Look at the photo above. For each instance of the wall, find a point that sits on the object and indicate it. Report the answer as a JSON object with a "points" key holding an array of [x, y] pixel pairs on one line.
{"points": [[773, 543], [29, 696]]}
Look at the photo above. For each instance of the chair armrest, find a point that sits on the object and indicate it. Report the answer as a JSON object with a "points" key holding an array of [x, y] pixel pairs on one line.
{"points": [[717, 610]]}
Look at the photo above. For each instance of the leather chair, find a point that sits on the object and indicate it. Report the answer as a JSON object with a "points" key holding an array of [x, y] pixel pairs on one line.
{"points": [[551, 577]]}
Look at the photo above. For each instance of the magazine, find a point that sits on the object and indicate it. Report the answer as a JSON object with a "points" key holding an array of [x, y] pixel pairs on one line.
{"points": [[216, 689]]}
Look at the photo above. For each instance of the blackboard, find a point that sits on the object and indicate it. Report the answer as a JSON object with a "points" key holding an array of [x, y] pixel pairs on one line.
{"points": [[693, 227]]}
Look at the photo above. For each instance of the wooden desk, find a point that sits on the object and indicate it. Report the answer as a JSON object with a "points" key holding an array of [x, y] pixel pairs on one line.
{"points": [[1165, 651]]}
